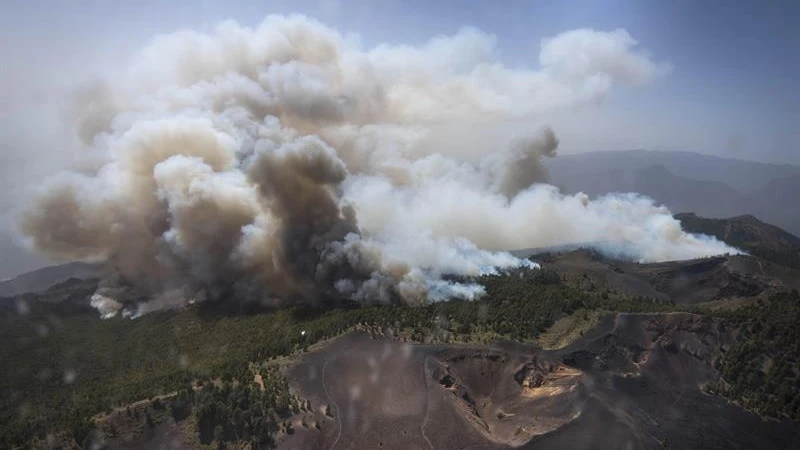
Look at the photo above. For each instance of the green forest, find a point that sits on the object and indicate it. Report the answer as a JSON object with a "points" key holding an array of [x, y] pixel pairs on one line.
{"points": [[761, 370], [69, 365]]}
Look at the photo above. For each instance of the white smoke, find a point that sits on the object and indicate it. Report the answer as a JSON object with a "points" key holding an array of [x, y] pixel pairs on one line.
{"points": [[106, 306], [285, 161]]}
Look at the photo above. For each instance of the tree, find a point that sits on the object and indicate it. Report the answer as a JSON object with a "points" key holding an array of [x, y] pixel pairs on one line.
{"points": [[219, 434], [180, 406]]}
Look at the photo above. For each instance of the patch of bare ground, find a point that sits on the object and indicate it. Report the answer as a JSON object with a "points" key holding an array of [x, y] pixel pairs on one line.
{"points": [[145, 425], [631, 381], [511, 397], [568, 329], [259, 380], [389, 394]]}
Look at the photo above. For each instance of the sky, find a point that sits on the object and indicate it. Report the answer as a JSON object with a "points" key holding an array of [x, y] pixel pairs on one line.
{"points": [[730, 90]]}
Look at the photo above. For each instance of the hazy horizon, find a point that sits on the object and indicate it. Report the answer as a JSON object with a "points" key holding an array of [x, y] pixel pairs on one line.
{"points": [[722, 83]]}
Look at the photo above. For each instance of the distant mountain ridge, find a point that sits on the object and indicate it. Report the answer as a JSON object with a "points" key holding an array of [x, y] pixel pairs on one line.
{"points": [[42, 279], [709, 186], [742, 175], [750, 234]]}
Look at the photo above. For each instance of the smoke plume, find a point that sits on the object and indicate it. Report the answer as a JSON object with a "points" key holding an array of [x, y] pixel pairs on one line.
{"points": [[284, 161]]}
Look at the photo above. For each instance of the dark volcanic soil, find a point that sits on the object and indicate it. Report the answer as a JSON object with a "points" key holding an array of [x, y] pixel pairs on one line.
{"points": [[632, 382], [682, 282], [165, 436]]}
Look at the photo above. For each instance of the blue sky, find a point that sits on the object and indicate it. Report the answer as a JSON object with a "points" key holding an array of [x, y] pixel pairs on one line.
{"points": [[731, 91]]}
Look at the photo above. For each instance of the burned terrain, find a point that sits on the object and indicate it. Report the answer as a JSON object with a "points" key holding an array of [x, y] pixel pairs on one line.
{"points": [[635, 381], [586, 352]]}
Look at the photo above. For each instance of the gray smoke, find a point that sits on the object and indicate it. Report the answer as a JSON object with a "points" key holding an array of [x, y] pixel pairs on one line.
{"points": [[284, 161]]}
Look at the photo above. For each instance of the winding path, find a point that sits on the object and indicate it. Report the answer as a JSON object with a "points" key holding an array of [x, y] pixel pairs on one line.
{"points": [[332, 401], [426, 375]]}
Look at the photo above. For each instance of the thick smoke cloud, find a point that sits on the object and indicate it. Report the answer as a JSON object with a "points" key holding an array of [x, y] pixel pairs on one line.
{"points": [[285, 162]]}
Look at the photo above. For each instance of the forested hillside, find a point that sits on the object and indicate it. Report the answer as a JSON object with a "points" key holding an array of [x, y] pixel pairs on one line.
{"points": [[70, 366]]}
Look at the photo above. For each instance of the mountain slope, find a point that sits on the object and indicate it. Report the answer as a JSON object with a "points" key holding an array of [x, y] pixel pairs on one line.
{"points": [[750, 234], [708, 186], [634, 381], [712, 198], [639, 374], [744, 176], [776, 202], [42, 279]]}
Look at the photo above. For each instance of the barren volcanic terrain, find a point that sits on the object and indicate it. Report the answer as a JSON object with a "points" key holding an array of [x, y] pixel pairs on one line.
{"points": [[634, 381]]}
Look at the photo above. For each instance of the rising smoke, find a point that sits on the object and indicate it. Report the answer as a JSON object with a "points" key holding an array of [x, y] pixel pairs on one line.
{"points": [[284, 161]]}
